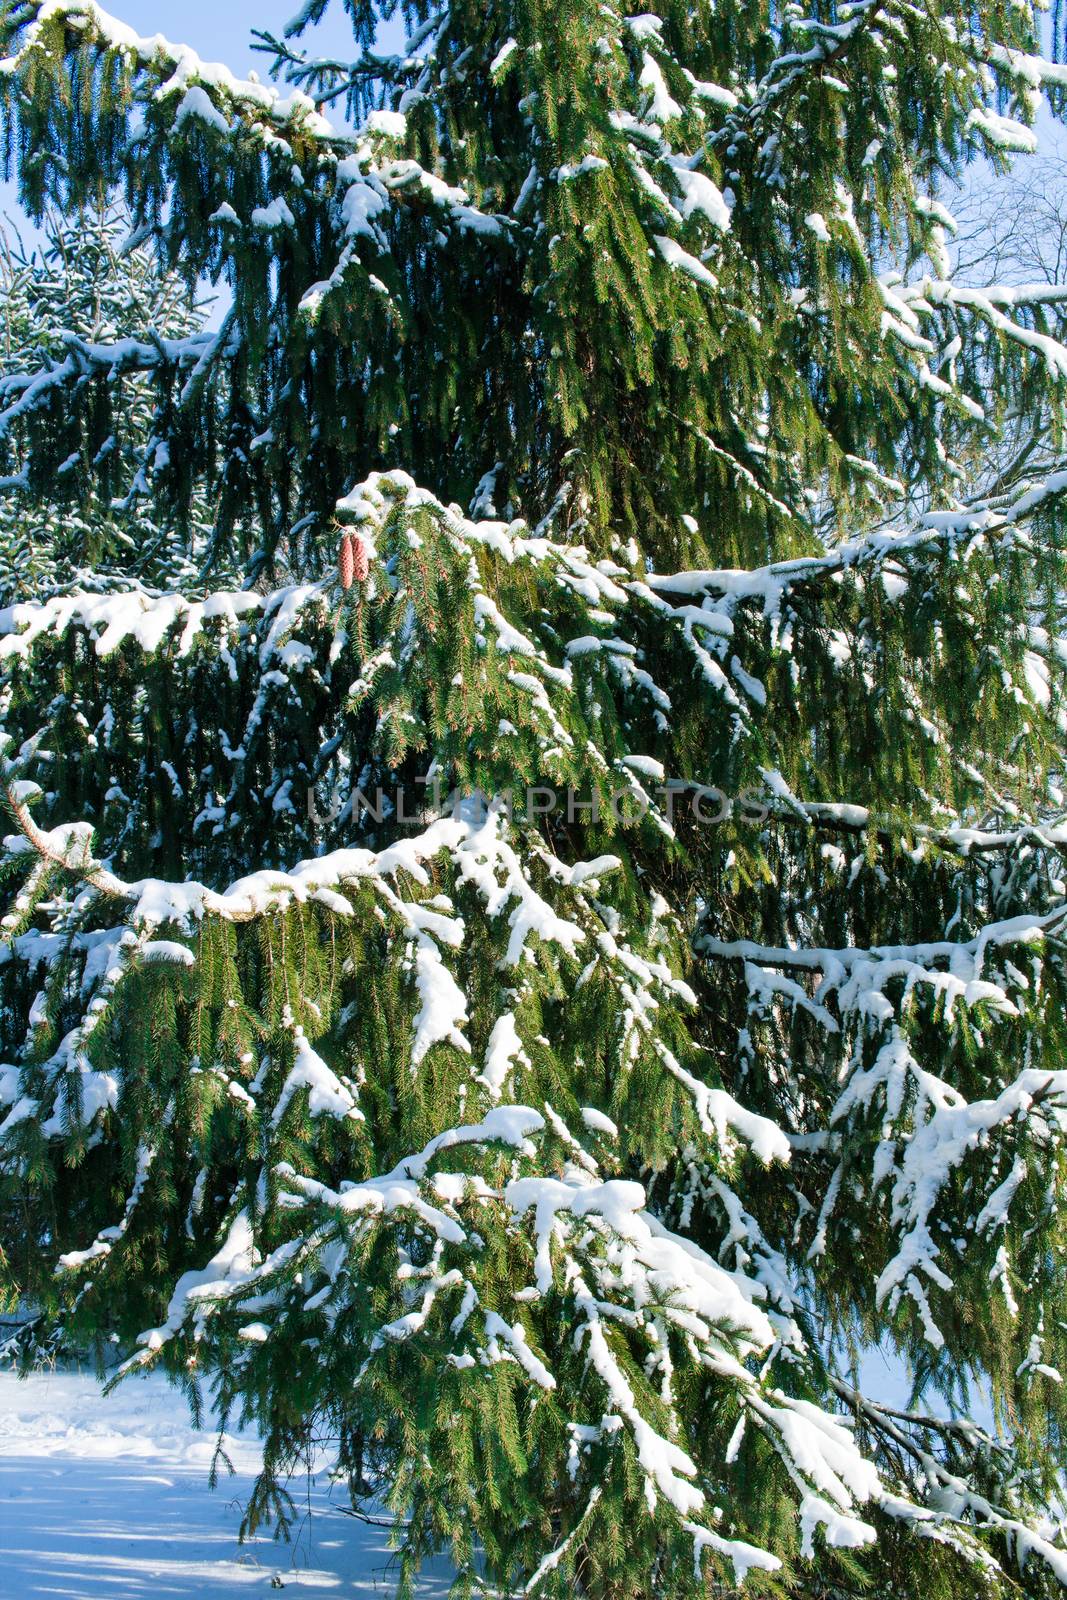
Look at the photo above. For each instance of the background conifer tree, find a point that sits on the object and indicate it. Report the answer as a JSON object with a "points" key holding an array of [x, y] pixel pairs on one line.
{"points": [[560, 1166], [79, 290]]}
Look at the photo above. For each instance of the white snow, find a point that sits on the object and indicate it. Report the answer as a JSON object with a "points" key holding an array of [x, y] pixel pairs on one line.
{"points": [[132, 613], [275, 215], [1002, 132], [502, 56], [700, 194], [576, 169], [503, 1053], [197, 103], [108, 1499], [327, 1095], [663, 106], [675, 256], [393, 124]]}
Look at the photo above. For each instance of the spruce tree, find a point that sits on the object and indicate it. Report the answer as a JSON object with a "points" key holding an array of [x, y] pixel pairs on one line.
{"points": [[82, 289], [598, 419]]}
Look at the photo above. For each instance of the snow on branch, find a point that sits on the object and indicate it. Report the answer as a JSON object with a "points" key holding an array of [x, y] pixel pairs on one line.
{"points": [[978, 524], [622, 1281], [23, 393], [857, 978], [178, 68], [208, 96]]}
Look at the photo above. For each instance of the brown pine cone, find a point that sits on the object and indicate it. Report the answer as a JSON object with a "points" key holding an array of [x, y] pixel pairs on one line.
{"points": [[360, 559], [346, 560]]}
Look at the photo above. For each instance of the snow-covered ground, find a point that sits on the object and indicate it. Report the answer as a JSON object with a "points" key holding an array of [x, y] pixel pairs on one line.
{"points": [[108, 1499]]}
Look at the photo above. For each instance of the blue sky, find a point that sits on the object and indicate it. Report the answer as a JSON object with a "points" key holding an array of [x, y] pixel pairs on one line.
{"points": [[219, 30]]}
